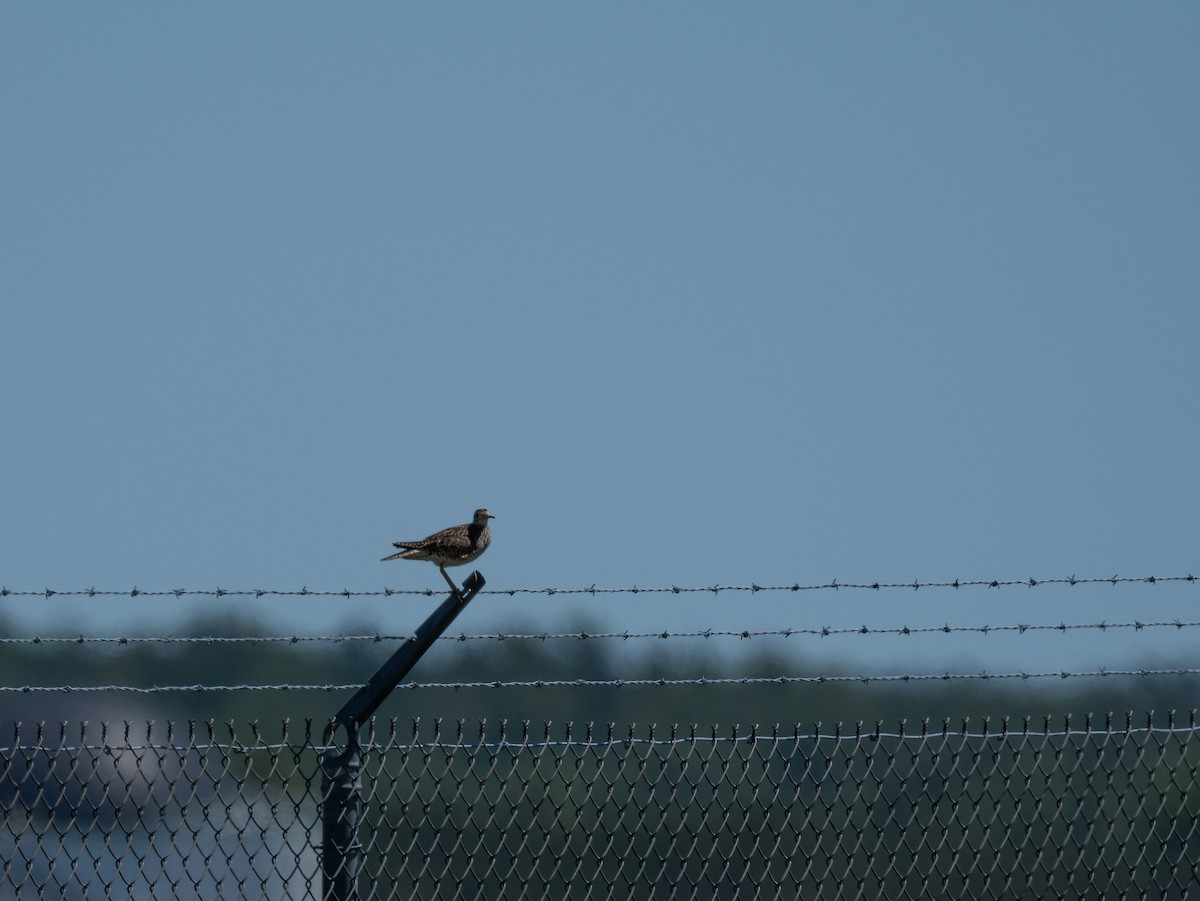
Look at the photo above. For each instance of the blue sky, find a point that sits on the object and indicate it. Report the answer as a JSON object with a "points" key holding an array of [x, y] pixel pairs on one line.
{"points": [[685, 293]]}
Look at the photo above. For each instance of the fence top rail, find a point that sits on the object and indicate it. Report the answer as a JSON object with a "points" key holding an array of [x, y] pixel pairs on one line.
{"points": [[392, 734]]}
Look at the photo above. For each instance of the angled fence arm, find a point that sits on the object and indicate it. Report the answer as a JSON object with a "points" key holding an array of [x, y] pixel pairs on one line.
{"points": [[341, 783], [367, 699]]}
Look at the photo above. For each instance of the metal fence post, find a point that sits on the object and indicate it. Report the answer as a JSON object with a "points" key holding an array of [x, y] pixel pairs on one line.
{"points": [[341, 791], [341, 782]]}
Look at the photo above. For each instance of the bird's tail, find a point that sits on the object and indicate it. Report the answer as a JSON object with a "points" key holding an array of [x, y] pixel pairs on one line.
{"points": [[406, 554]]}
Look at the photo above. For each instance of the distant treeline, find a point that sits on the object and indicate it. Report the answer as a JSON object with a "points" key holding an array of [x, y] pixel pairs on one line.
{"points": [[352, 662]]}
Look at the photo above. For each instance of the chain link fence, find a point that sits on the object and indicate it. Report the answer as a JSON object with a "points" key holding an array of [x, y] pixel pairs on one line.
{"points": [[210, 811]]}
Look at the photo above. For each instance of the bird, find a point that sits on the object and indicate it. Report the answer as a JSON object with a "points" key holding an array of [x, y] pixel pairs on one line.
{"points": [[449, 547]]}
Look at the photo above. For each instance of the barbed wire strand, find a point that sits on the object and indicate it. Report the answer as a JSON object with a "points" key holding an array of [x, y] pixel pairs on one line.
{"points": [[620, 683], [745, 634], [834, 585]]}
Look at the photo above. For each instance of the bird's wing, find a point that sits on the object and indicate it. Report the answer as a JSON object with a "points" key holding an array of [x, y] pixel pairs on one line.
{"points": [[455, 536]]}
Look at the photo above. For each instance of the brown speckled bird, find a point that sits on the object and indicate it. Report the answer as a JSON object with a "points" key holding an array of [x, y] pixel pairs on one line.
{"points": [[450, 547]]}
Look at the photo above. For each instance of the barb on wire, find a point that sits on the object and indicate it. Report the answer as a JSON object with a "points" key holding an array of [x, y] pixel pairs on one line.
{"points": [[626, 635], [833, 585], [627, 683]]}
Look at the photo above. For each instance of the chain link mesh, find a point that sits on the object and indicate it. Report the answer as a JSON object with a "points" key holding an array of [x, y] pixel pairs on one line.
{"points": [[1084, 813]]}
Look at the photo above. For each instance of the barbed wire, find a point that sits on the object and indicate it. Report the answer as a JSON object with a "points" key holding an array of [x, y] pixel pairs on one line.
{"points": [[662, 635], [620, 683], [833, 585]]}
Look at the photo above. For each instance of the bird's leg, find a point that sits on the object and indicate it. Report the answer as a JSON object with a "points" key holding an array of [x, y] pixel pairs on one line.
{"points": [[450, 582]]}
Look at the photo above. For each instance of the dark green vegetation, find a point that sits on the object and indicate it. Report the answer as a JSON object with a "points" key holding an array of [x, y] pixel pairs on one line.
{"points": [[352, 662], [639, 792]]}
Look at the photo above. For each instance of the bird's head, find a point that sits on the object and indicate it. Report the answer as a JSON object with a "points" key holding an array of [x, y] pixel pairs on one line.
{"points": [[482, 516]]}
